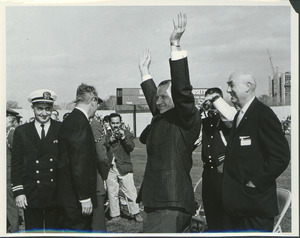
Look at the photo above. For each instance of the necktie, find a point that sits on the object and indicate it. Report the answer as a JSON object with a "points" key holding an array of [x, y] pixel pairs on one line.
{"points": [[43, 132], [239, 118]]}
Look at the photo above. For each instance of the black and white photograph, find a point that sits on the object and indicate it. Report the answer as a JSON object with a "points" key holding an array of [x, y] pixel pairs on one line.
{"points": [[150, 118]]}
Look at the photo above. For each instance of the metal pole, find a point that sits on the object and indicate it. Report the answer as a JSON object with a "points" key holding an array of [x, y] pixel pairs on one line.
{"points": [[134, 120]]}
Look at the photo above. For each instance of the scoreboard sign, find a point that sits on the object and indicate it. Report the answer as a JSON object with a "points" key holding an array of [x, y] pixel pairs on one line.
{"points": [[130, 96], [135, 96]]}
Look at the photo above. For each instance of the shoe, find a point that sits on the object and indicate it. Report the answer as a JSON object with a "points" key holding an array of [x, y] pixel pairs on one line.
{"points": [[114, 219], [138, 218]]}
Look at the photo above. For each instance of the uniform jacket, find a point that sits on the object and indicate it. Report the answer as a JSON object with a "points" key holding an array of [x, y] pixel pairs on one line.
{"points": [[121, 151], [170, 141], [259, 152], [102, 159], [34, 164], [77, 164], [215, 135]]}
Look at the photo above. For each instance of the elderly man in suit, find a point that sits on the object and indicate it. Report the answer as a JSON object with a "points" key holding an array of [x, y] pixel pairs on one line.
{"points": [[34, 157], [167, 191], [77, 165], [257, 153]]}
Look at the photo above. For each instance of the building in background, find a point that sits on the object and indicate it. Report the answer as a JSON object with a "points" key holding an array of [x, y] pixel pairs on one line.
{"points": [[280, 88]]}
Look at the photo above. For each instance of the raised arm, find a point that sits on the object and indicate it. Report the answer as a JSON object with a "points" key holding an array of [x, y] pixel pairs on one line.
{"points": [[181, 87], [148, 86], [178, 30]]}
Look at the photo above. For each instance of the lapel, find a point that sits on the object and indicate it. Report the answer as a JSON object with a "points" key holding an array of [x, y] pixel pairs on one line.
{"points": [[234, 125], [33, 134], [246, 116], [50, 132]]}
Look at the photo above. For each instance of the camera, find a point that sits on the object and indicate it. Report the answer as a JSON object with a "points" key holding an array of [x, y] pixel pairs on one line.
{"points": [[206, 105], [116, 133]]}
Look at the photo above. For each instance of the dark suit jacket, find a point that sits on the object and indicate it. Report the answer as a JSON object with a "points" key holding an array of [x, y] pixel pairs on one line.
{"points": [[34, 164], [170, 141], [77, 164], [259, 152]]}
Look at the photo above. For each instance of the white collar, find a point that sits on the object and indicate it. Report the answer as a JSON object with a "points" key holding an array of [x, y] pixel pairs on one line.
{"points": [[38, 124], [86, 115], [245, 108]]}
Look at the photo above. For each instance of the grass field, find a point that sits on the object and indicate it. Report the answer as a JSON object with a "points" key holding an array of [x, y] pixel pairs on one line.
{"points": [[138, 158]]}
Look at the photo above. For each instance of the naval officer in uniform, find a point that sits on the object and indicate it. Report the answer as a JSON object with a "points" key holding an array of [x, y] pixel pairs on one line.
{"points": [[34, 156]]}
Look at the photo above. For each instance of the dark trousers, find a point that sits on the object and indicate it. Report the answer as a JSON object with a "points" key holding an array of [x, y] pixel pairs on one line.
{"points": [[216, 218], [41, 218], [260, 224], [99, 222], [167, 220], [74, 220]]}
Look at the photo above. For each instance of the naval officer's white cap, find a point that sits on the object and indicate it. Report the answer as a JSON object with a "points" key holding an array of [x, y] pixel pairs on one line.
{"points": [[42, 95]]}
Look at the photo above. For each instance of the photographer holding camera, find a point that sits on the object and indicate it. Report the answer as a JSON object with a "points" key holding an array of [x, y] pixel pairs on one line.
{"points": [[120, 176], [217, 121]]}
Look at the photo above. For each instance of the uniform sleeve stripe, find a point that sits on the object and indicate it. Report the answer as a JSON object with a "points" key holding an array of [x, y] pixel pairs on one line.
{"points": [[15, 188]]}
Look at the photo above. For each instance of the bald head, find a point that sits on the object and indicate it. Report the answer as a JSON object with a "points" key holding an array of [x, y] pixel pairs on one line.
{"points": [[241, 87]]}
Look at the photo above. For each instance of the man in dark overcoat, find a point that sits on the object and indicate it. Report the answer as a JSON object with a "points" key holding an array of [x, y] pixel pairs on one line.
{"points": [[257, 153], [77, 165], [167, 191]]}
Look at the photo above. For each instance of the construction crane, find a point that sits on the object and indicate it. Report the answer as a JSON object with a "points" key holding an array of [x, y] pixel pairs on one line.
{"points": [[273, 70]]}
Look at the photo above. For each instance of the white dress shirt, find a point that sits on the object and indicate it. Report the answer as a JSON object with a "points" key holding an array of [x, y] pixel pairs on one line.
{"points": [[243, 111], [39, 128]]}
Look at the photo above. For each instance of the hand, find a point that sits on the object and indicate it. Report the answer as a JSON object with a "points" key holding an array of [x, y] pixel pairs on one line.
{"points": [[145, 60], [21, 201], [178, 29], [204, 104], [209, 97], [112, 138], [122, 133], [87, 207], [250, 184], [220, 168]]}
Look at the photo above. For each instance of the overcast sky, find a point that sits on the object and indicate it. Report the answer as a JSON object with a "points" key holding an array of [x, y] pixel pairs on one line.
{"points": [[60, 47]]}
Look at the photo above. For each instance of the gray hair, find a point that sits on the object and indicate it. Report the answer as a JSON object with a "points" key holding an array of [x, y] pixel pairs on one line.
{"points": [[85, 93]]}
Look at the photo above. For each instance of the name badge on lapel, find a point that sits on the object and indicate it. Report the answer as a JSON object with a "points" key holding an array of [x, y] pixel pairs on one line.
{"points": [[55, 141], [245, 140]]}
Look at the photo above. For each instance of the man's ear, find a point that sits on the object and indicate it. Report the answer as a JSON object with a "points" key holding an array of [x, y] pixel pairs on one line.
{"points": [[248, 86]]}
